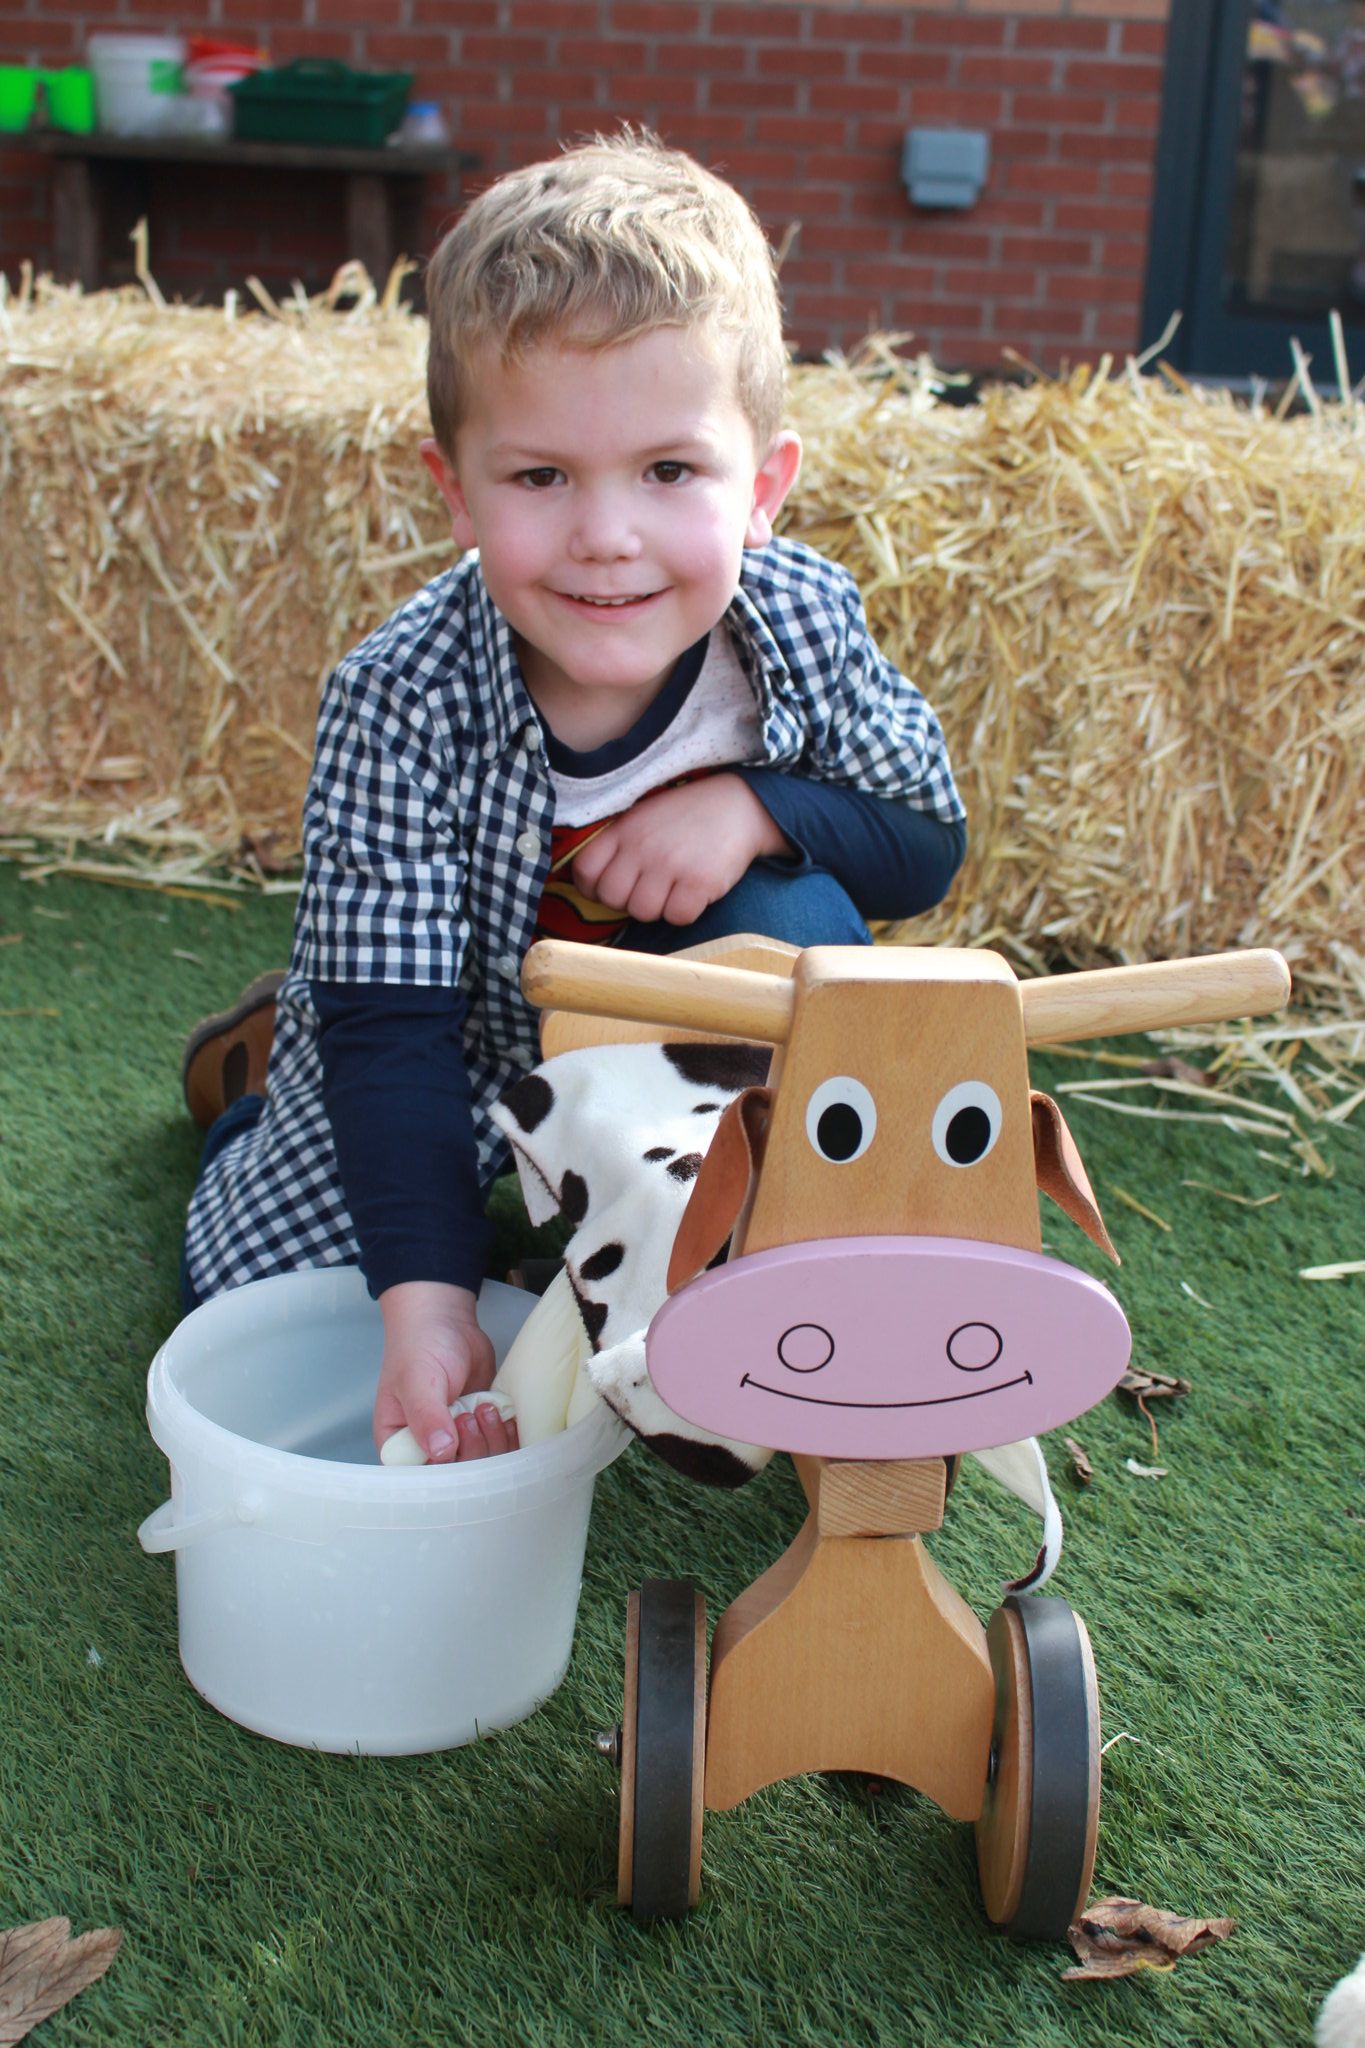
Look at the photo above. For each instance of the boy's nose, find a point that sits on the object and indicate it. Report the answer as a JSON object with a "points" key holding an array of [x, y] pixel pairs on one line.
{"points": [[603, 529]]}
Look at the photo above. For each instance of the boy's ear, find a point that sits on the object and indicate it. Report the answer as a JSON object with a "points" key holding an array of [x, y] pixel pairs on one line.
{"points": [[776, 474], [448, 484]]}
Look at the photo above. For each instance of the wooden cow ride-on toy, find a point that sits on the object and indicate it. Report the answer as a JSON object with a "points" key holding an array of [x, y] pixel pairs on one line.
{"points": [[885, 1306]]}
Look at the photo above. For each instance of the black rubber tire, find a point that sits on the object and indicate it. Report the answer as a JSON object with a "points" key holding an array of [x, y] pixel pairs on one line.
{"points": [[1047, 1704], [662, 1753]]}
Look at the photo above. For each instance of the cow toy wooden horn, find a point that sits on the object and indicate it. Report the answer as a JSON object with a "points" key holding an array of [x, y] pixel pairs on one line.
{"points": [[886, 1305]]}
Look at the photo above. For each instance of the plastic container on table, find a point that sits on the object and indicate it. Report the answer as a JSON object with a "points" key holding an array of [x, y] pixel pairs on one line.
{"points": [[70, 99], [18, 93], [212, 66], [316, 99], [138, 82], [331, 1601], [64, 99], [422, 125]]}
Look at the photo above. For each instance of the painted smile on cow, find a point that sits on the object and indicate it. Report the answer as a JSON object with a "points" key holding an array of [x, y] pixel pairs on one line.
{"points": [[811, 1363], [937, 1401]]}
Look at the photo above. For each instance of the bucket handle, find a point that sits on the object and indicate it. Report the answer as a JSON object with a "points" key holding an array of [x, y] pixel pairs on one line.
{"points": [[160, 1532]]}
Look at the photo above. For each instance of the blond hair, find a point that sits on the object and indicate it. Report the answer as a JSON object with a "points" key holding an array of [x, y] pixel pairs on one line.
{"points": [[613, 238]]}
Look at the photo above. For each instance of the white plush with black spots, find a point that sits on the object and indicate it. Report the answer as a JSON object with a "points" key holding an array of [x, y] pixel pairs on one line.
{"points": [[611, 1138]]}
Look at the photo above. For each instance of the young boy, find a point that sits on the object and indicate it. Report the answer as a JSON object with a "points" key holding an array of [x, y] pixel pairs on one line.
{"points": [[628, 714]]}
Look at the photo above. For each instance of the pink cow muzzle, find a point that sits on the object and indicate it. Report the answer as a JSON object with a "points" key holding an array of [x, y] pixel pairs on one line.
{"points": [[887, 1347]]}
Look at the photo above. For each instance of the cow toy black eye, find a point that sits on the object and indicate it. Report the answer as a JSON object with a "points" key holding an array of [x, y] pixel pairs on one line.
{"points": [[841, 1119], [966, 1123]]}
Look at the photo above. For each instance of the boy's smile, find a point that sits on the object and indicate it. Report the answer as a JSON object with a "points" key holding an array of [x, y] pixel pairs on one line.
{"points": [[611, 494]]}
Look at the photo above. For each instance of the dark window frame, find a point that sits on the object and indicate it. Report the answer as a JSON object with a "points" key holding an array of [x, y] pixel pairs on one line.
{"points": [[1196, 170]]}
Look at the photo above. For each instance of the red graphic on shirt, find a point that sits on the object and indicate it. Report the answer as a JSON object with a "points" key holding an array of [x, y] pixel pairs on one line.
{"points": [[565, 912]]}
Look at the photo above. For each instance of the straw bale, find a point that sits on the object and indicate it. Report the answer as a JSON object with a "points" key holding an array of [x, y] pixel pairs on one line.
{"points": [[1139, 608], [199, 512]]}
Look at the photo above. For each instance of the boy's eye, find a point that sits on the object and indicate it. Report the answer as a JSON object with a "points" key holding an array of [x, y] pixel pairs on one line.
{"points": [[671, 472], [537, 479]]}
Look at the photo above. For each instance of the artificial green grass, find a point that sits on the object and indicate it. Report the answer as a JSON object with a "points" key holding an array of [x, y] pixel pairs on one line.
{"points": [[270, 1895]]}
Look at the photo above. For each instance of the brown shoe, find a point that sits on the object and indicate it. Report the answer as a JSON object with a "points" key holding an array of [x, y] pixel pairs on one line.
{"points": [[226, 1055]]}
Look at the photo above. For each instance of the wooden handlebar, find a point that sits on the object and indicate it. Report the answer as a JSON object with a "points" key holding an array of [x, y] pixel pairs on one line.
{"points": [[1109, 1000], [696, 996], [641, 988]]}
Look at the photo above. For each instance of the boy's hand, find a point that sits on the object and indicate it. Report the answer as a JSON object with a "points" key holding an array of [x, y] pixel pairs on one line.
{"points": [[674, 852], [434, 1351]]}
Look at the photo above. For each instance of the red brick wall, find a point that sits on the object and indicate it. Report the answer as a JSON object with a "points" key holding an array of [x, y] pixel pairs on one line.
{"points": [[803, 105]]}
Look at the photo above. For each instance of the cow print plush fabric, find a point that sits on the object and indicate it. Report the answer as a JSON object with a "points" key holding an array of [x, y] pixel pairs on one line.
{"points": [[611, 1138]]}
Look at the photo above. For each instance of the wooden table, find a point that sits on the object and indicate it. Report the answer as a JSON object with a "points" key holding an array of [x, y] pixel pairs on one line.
{"points": [[383, 187]]}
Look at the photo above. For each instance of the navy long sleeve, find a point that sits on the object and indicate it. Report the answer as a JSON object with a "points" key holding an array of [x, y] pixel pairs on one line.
{"points": [[397, 1096], [892, 860]]}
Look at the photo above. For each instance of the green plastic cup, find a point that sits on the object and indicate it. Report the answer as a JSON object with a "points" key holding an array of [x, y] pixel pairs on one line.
{"points": [[18, 90], [71, 99]]}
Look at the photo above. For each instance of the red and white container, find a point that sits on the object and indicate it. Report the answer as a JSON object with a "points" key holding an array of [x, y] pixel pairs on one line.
{"points": [[211, 67]]}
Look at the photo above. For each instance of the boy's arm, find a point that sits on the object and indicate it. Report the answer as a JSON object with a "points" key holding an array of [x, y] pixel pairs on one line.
{"points": [[397, 1097], [678, 850], [382, 929], [892, 859]]}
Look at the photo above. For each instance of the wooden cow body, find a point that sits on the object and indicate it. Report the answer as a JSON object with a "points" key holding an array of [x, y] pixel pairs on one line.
{"points": [[885, 1303]]}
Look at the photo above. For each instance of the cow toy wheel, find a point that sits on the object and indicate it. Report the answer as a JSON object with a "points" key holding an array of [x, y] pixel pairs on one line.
{"points": [[1035, 1840], [662, 1751]]}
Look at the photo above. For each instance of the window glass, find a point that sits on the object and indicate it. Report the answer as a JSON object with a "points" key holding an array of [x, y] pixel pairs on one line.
{"points": [[1297, 237]]}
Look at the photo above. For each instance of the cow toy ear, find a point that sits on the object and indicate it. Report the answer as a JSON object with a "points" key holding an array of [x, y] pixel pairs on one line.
{"points": [[722, 1182], [1060, 1174]]}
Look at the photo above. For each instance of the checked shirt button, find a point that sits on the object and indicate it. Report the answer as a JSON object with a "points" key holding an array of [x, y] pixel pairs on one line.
{"points": [[508, 966], [529, 843]]}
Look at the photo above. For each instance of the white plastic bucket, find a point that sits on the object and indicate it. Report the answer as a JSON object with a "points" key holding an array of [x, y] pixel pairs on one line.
{"points": [[328, 1600], [137, 82]]}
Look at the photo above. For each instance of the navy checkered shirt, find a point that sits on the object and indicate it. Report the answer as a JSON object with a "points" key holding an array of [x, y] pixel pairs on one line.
{"points": [[426, 843]]}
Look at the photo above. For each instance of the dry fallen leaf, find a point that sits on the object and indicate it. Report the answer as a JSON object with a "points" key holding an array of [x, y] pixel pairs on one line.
{"points": [[1118, 1937], [42, 1969], [1147, 1386], [1080, 1464]]}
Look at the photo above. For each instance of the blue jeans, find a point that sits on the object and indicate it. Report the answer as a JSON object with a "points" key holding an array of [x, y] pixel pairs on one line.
{"points": [[806, 909]]}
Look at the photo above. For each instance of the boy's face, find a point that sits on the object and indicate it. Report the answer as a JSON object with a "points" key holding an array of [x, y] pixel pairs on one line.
{"points": [[611, 494]]}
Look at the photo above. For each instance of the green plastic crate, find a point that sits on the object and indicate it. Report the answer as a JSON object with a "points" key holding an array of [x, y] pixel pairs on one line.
{"points": [[317, 99]]}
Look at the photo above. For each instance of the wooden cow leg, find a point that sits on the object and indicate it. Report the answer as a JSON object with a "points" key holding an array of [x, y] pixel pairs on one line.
{"points": [[851, 1653]]}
